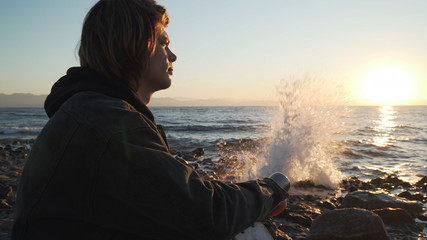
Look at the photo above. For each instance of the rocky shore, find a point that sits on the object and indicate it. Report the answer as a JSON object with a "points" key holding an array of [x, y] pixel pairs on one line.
{"points": [[382, 208]]}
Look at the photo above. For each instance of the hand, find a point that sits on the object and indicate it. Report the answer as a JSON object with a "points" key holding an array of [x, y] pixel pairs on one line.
{"points": [[278, 209]]}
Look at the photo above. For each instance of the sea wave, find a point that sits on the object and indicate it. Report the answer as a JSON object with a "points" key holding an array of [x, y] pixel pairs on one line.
{"points": [[213, 128], [409, 127], [20, 130]]}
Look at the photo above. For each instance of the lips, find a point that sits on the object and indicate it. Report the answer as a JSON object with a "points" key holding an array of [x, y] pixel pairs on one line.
{"points": [[170, 71]]}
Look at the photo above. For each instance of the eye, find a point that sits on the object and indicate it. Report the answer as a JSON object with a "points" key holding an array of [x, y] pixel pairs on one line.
{"points": [[165, 42]]}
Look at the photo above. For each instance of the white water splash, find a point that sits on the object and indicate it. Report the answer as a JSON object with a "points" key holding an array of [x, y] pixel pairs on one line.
{"points": [[301, 144]]}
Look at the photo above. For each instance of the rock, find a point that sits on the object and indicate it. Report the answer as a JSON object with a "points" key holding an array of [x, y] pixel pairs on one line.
{"points": [[422, 217], [366, 186], [304, 184], [394, 216], [406, 185], [275, 228], [419, 197], [348, 224], [309, 184], [300, 219], [4, 190], [370, 201], [405, 194], [304, 208], [327, 204], [198, 152], [394, 180], [388, 186], [422, 181], [4, 204], [309, 198], [377, 181], [194, 165]]}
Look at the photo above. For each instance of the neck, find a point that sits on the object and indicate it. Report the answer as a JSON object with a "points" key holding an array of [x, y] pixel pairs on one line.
{"points": [[144, 96]]}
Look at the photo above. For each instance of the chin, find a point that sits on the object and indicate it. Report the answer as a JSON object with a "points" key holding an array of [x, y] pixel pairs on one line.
{"points": [[165, 85]]}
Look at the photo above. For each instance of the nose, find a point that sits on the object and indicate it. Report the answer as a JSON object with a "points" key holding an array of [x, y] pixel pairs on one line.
{"points": [[171, 56]]}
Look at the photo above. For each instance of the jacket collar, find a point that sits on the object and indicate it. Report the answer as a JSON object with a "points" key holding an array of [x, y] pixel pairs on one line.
{"points": [[80, 79]]}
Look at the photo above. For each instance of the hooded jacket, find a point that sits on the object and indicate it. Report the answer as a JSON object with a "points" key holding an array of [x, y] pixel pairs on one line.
{"points": [[101, 169]]}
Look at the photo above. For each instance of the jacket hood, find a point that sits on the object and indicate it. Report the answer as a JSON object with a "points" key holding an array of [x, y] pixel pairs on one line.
{"points": [[79, 79]]}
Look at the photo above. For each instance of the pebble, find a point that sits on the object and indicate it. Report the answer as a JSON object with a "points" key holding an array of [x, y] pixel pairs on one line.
{"points": [[294, 223]]}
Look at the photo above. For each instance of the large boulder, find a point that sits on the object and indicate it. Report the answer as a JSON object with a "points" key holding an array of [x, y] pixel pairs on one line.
{"points": [[371, 201], [394, 216], [348, 224]]}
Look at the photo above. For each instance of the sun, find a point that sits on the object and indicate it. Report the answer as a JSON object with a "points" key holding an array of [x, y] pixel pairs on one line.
{"points": [[387, 86]]}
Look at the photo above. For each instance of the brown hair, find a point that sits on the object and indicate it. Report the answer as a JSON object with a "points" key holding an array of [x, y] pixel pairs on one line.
{"points": [[119, 36]]}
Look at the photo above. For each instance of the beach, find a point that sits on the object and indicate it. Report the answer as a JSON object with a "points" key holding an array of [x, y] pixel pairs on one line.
{"points": [[369, 158], [404, 216]]}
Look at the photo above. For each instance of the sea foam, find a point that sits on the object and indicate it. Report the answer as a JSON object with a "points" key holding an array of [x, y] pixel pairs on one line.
{"points": [[302, 144], [20, 130]]}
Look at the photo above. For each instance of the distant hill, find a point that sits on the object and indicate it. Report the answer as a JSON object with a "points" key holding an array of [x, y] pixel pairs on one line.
{"points": [[189, 102], [31, 100], [22, 100]]}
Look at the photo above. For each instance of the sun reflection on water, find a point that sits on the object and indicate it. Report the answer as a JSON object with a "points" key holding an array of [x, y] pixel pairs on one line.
{"points": [[385, 127]]}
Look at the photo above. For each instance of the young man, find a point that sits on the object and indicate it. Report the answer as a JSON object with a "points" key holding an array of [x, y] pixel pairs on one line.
{"points": [[101, 167]]}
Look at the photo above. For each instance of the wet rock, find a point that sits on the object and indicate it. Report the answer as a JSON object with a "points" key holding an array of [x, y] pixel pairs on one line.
{"points": [[304, 184], [276, 230], [4, 205], [3, 192], [348, 224], [370, 201], [300, 219], [309, 184], [422, 217], [419, 197], [389, 182], [198, 152], [405, 194], [388, 186], [189, 157], [310, 198], [394, 180], [182, 160], [327, 204], [377, 181], [366, 186], [422, 181], [394, 216], [207, 161], [301, 208], [194, 165]]}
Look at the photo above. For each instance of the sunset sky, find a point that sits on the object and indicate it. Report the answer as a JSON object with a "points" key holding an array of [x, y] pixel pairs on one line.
{"points": [[241, 49]]}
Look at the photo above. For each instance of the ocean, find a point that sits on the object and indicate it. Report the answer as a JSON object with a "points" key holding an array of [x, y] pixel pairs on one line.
{"points": [[322, 143]]}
